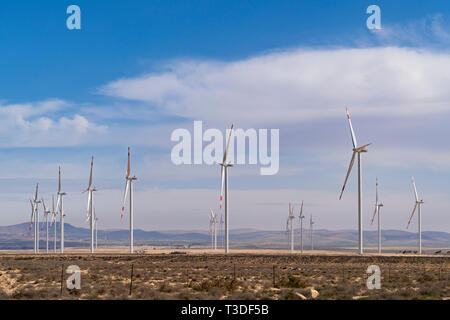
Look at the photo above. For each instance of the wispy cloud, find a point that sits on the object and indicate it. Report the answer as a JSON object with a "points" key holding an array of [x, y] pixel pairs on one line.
{"points": [[298, 85]]}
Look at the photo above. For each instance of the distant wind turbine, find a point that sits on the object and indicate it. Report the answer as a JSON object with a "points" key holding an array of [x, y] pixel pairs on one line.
{"points": [[89, 211], [356, 150], [224, 186], [418, 206], [290, 227], [60, 209], [378, 206], [311, 222], [46, 213], [129, 185], [301, 217]]}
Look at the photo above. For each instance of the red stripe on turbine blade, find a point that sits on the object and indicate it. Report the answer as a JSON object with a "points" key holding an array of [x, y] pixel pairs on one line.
{"points": [[123, 208]]}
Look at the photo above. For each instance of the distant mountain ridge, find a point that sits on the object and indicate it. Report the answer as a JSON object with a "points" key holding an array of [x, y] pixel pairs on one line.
{"points": [[19, 236]]}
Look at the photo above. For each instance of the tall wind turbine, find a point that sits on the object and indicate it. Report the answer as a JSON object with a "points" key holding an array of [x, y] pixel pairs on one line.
{"points": [[60, 209], [46, 212], [301, 217], [378, 206], [129, 185], [89, 211], [32, 221], [311, 222], [213, 229], [418, 206], [36, 219], [356, 150], [291, 226], [224, 185]]}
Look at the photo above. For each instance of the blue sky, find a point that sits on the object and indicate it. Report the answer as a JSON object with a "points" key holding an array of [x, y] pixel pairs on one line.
{"points": [[139, 69]]}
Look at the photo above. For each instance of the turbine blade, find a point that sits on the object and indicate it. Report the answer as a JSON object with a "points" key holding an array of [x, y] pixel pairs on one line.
{"points": [[127, 186], [87, 210], [415, 189], [58, 203], [363, 147], [90, 175], [301, 210], [351, 130], [352, 161], [36, 194], [129, 166], [228, 145], [59, 179], [412, 215], [374, 213]]}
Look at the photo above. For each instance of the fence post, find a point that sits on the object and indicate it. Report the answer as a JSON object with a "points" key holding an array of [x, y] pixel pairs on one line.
{"points": [[131, 278]]}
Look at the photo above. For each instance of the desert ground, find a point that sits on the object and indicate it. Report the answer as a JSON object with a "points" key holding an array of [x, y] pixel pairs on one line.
{"points": [[164, 273]]}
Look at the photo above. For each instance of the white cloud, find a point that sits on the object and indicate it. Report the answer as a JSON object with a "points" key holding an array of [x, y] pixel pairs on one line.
{"points": [[38, 124], [298, 85]]}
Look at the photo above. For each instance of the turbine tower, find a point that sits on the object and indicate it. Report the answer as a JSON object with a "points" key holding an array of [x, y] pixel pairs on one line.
{"points": [[213, 229], [129, 185], [96, 229], [54, 223], [221, 233], [60, 209], [46, 212], [32, 221], [378, 206], [311, 230], [418, 206], [301, 217], [224, 185], [356, 150], [89, 211], [291, 227]]}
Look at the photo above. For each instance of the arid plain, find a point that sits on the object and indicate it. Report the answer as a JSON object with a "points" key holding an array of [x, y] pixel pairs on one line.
{"points": [[204, 274]]}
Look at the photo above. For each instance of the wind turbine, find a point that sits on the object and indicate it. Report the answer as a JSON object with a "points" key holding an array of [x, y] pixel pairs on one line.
{"points": [[291, 226], [311, 229], [356, 150], [89, 212], [418, 205], [377, 211], [36, 219], [213, 229], [60, 209], [224, 185], [46, 212], [129, 185], [32, 220], [301, 217]]}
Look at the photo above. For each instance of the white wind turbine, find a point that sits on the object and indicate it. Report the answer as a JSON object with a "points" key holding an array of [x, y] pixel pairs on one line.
{"points": [[32, 221], [224, 185], [35, 217], [89, 211], [129, 185], [54, 223], [418, 206], [290, 223], [311, 230], [301, 217], [356, 150], [60, 209], [213, 229], [378, 206], [46, 212]]}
